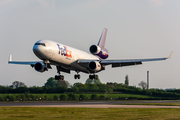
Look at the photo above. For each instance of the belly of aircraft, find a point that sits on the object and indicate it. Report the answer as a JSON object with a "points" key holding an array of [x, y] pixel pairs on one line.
{"points": [[73, 66]]}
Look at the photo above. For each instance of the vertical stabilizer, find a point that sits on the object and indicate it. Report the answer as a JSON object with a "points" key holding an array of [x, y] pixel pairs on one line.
{"points": [[102, 40], [99, 49]]}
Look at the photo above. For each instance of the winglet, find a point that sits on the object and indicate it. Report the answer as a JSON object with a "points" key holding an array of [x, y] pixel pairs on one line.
{"points": [[10, 58], [170, 55]]}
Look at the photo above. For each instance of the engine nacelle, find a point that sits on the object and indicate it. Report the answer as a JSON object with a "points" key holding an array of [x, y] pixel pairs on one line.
{"points": [[94, 66], [96, 50], [40, 67]]}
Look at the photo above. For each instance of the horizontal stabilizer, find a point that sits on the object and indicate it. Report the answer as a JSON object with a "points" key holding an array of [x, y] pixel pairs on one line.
{"points": [[170, 55]]}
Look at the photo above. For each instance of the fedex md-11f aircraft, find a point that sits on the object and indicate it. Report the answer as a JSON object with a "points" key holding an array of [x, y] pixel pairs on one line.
{"points": [[66, 58]]}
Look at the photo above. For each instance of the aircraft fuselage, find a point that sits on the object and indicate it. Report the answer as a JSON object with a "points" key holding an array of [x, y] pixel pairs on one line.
{"points": [[63, 55]]}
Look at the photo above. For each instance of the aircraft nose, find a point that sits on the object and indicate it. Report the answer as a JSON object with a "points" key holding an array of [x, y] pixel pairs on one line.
{"points": [[38, 51]]}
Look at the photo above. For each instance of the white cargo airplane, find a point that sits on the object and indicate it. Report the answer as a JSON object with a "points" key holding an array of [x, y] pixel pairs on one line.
{"points": [[66, 58]]}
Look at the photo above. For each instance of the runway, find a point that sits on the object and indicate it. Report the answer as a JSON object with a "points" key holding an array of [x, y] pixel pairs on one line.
{"points": [[99, 104]]}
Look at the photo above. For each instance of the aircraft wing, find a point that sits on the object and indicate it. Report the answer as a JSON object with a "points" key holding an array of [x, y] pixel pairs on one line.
{"points": [[128, 62], [24, 63], [125, 62], [32, 63]]}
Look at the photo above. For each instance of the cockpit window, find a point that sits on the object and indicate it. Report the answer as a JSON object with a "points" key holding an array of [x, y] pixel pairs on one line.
{"points": [[43, 44]]}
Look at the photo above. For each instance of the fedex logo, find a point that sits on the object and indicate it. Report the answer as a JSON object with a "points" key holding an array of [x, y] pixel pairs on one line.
{"points": [[64, 51], [104, 52]]}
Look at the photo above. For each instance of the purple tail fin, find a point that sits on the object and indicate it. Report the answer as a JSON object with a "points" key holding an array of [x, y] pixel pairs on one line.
{"points": [[99, 49], [102, 40]]}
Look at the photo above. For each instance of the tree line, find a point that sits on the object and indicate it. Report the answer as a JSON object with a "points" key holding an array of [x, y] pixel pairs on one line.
{"points": [[53, 86]]}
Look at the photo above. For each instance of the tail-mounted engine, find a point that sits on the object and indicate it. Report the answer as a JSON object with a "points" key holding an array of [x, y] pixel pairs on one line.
{"points": [[40, 67], [94, 66], [96, 50]]}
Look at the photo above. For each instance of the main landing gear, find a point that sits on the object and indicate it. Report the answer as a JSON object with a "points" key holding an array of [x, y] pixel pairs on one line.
{"points": [[77, 76], [59, 77], [93, 76]]}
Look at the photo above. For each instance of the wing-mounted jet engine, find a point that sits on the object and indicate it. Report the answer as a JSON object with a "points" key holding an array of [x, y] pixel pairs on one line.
{"points": [[94, 66], [40, 67]]}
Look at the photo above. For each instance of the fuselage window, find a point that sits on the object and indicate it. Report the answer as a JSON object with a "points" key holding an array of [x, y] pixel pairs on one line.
{"points": [[43, 44]]}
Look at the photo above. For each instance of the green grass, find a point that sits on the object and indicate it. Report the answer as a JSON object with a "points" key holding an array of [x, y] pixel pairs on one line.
{"points": [[158, 104], [128, 95], [38, 113]]}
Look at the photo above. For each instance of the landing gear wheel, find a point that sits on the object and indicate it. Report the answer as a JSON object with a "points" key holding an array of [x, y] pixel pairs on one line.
{"points": [[96, 77], [77, 76], [59, 77], [93, 77]]}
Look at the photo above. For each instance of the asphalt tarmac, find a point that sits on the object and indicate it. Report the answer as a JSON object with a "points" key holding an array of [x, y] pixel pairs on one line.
{"points": [[98, 104]]}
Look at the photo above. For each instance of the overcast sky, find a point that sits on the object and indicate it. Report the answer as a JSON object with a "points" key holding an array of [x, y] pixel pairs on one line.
{"points": [[136, 29]]}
